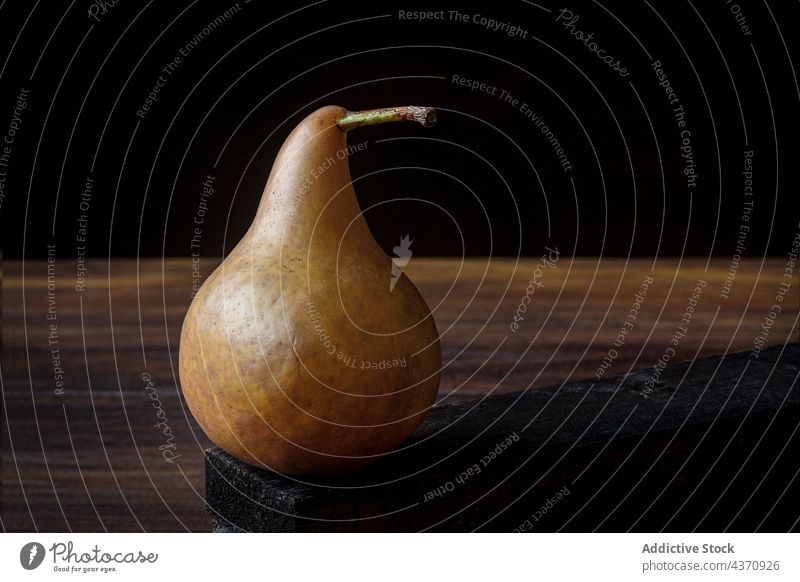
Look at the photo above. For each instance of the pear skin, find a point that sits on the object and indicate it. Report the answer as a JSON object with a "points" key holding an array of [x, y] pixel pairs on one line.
{"points": [[296, 354]]}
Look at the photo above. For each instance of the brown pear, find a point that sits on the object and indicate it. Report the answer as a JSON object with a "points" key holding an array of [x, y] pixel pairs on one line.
{"points": [[306, 351]]}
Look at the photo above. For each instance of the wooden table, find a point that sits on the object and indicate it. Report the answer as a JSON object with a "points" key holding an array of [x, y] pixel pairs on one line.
{"points": [[80, 369]]}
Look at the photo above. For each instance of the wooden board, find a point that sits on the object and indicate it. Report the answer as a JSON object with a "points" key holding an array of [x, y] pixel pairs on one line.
{"points": [[713, 447]]}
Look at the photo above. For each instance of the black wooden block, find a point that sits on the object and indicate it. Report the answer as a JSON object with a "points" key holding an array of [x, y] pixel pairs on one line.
{"points": [[714, 445]]}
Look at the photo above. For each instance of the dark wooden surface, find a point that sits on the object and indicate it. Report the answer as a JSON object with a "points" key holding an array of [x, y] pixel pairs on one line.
{"points": [[89, 459], [713, 447]]}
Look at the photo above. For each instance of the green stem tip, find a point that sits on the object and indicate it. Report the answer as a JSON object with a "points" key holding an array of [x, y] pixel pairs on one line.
{"points": [[426, 116]]}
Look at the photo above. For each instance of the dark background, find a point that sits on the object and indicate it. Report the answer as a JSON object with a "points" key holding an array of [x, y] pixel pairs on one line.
{"points": [[487, 180]]}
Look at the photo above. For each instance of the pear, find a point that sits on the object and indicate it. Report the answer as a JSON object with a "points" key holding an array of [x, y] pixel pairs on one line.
{"points": [[306, 352]]}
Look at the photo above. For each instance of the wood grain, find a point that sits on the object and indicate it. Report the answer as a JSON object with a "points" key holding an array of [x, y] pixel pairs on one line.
{"points": [[88, 459]]}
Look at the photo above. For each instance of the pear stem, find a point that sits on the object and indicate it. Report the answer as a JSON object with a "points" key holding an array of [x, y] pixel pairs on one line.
{"points": [[423, 115]]}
